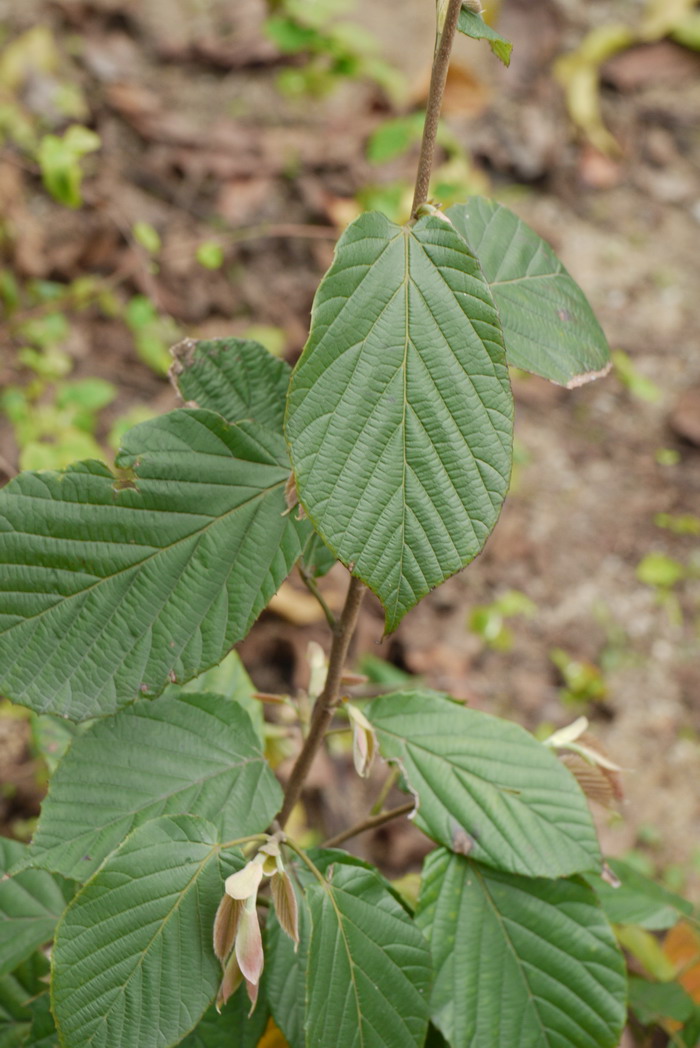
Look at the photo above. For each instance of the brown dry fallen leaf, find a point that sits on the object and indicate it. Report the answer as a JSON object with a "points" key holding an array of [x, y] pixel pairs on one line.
{"points": [[682, 947], [273, 1037], [596, 782], [651, 65], [465, 93], [685, 416], [296, 606]]}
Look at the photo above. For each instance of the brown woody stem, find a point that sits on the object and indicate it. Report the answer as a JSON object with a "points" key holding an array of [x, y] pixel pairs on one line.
{"points": [[370, 823], [438, 79], [344, 627], [329, 698]]}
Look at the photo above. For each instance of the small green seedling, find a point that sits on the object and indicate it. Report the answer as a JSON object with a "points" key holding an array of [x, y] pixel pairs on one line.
{"points": [[583, 681], [488, 621]]}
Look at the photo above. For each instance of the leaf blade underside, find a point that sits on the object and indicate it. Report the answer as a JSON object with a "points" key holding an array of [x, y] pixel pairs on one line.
{"points": [[548, 325], [485, 787]]}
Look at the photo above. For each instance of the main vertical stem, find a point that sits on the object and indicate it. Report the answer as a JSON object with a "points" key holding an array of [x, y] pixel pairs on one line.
{"points": [[438, 79], [344, 627], [329, 698]]}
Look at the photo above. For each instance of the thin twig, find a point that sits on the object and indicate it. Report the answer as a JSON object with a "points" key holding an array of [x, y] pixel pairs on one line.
{"points": [[389, 783], [432, 114], [370, 823], [312, 586], [329, 698]]}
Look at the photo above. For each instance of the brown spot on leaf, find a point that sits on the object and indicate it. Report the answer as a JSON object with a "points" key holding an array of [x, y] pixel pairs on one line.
{"points": [[462, 842]]}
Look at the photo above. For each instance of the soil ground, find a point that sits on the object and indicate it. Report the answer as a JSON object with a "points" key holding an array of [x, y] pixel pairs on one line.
{"points": [[198, 142]]}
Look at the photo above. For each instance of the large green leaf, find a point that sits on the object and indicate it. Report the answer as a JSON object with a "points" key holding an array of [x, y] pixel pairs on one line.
{"points": [[472, 24], [639, 900], [31, 903], [485, 787], [235, 377], [399, 413], [519, 961], [548, 326], [369, 970], [112, 586], [133, 962], [193, 753], [232, 1028]]}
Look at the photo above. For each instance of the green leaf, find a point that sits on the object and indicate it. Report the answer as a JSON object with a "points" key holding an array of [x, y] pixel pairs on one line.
{"points": [[652, 1002], [59, 160], [238, 378], [16, 992], [485, 787], [133, 962], [285, 968], [285, 974], [233, 1028], [519, 961], [639, 900], [210, 254], [394, 137], [148, 237], [42, 1033], [31, 903], [548, 326], [192, 753], [656, 569], [399, 414], [369, 969], [472, 24], [691, 1027], [229, 679], [111, 586]]}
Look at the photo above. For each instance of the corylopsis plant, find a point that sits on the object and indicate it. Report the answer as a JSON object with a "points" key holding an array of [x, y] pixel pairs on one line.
{"points": [[164, 822]]}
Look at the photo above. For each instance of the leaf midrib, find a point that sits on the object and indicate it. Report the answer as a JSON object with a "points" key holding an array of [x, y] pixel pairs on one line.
{"points": [[532, 997], [328, 890]]}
